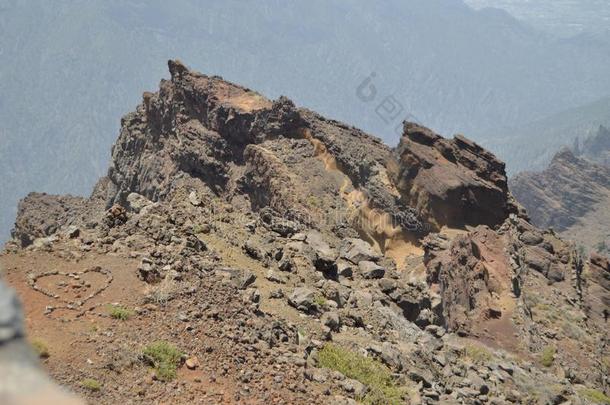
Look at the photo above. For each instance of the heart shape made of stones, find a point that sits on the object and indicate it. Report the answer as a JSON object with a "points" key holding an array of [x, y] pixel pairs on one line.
{"points": [[33, 279]]}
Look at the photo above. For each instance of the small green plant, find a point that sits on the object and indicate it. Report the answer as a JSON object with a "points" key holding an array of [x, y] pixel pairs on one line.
{"points": [[41, 348], [595, 396], [319, 301], [313, 201], [477, 354], [382, 387], [120, 313], [91, 384], [547, 356], [164, 357]]}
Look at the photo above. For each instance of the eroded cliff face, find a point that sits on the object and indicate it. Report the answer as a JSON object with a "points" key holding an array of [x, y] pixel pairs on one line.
{"points": [[294, 232]]}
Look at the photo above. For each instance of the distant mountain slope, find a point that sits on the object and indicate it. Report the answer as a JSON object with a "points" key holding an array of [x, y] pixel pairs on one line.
{"points": [[69, 68], [531, 146], [572, 195], [595, 147], [562, 17]]}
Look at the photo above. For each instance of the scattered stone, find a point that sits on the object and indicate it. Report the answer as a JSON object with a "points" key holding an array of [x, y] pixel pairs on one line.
{"points": [[275, 277], [344, 269], [353, 387], [356, 250], [276, 294], [332, 320], [72, 232], [302, 298], [194, 199], [148, 272], [137, 202], [242, 279], [370, 270], [530, 238], [192, 363]]}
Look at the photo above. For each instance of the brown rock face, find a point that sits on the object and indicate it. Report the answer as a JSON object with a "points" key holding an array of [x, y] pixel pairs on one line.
{"points": [[195, 125], [598, 291], [256, 153], [472, 275], [451, 182]]}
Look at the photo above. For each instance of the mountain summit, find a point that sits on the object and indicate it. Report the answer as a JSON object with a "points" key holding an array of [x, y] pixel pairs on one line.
{"points": [[245, 250]]}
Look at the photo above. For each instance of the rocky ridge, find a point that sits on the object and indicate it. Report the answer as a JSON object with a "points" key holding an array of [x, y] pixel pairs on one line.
{"points": [[258, 236], [572, 196]]}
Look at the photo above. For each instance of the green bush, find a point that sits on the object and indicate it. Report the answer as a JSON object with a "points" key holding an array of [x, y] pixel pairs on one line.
{"points": [[547, 356], [119, 312], [382, 388], [595, 396], [165, 358], [314, 201], [477, 354], [41, 348], [91, 384]]}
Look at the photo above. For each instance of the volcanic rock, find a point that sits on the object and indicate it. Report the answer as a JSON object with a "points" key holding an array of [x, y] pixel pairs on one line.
{"points": [[451, 182]]}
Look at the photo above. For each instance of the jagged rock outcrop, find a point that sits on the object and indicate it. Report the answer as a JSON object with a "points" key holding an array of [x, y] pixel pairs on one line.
{"points": [[40, 215], [572, 196], [241, 145], [471, 275], [451, 182]]}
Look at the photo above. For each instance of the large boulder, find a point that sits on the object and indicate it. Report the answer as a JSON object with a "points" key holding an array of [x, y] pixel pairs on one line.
{"points": [[303, 299], [356, 250], [452, 182], [324, 256]]}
